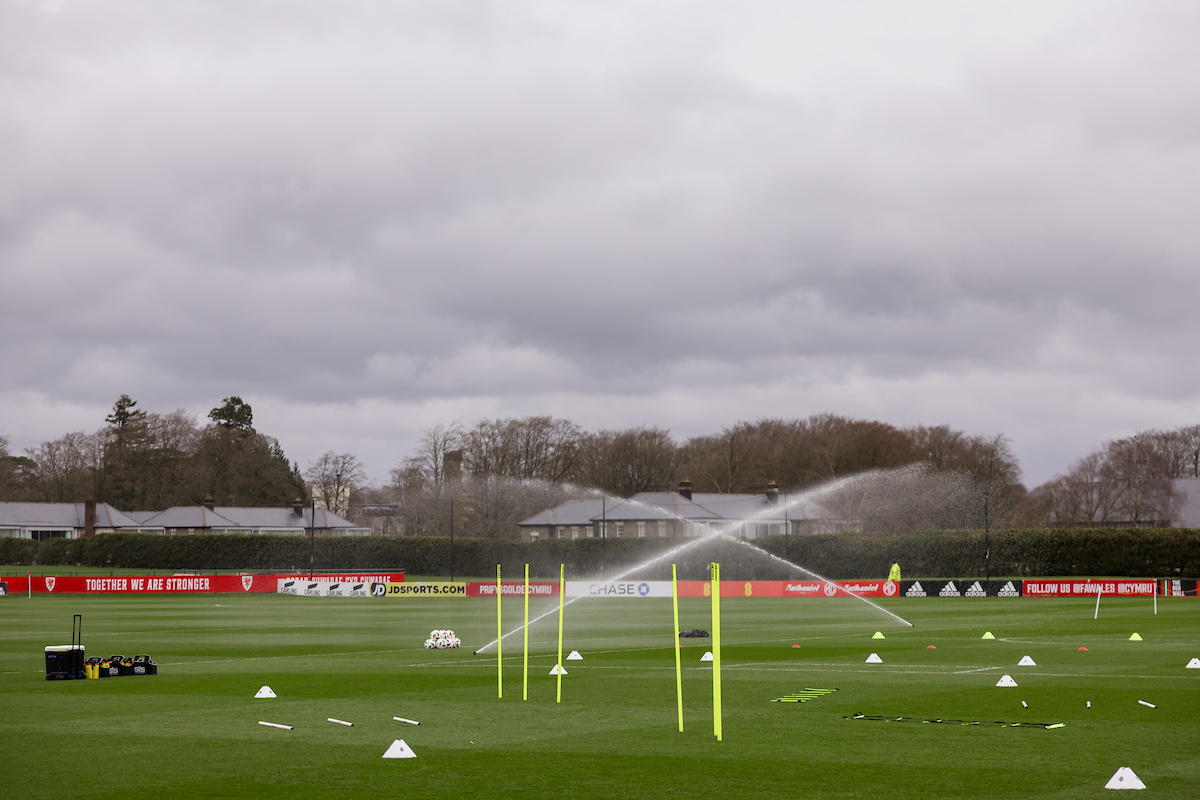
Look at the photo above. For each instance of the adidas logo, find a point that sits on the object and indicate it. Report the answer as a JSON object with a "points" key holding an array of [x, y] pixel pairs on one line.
{"points": [[915, 590], [976, 590], [950, 590], [1008, 591]]}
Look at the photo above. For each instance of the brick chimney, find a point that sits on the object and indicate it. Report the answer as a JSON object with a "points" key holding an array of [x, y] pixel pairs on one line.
{"points": [[298, 507], [772, 492], [208, 502], [685, 488], [89, 519]]}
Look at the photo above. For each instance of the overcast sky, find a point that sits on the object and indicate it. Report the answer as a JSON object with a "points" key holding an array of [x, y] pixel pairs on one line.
{"points": [[366, 218]]}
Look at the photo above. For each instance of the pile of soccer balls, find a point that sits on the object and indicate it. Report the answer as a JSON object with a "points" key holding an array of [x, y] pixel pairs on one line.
{"points": [[441, 640]]}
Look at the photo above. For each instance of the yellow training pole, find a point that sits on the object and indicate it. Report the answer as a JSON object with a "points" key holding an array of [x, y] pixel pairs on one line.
{"points": [[715, 578], [525, 676], [675, 643], [499, 640], [562, 577]]}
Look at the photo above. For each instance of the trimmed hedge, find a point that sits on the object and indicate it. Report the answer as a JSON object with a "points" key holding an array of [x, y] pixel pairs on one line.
{"points": [[930, 554]]}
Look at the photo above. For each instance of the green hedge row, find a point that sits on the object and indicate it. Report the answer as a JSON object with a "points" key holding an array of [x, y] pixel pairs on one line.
{"points": [[930, 554]]}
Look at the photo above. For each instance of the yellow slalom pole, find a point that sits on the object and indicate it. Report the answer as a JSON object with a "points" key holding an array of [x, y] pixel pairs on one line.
{"points": [[562, 578], [499, 639], [675, 644], [715, 579], [525, 675]]}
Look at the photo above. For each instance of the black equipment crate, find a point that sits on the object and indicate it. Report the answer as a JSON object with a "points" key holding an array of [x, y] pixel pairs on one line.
{"points": [[144, 665]]}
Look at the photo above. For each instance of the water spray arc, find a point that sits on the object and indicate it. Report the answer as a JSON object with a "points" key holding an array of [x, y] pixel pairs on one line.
{"points": [[803, 497]]}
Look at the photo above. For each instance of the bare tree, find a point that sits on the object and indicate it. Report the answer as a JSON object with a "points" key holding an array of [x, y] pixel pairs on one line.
{"points": [[335, 477], [630, 461], [65, 470]]}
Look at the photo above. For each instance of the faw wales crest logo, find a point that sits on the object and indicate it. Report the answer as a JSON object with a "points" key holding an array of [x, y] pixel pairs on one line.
{"points": [[247, 582], [49, 584]]}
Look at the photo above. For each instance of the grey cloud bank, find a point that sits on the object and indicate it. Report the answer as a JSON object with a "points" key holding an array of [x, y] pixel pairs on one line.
{"points": [[367, 218]]}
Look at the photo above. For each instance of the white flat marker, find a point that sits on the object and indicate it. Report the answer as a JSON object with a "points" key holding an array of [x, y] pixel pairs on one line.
{"points": [[341, 722], [1024, 704], [409, 721], [1149, 705], [275, 725]]}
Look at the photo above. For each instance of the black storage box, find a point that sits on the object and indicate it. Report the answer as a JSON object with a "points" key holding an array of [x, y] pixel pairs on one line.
{"points": [[144, 665]]}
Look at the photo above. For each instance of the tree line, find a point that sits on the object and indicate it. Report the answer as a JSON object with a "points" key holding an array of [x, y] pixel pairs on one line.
{"points": [[1123, 483], [144, 461], [485, 477]]}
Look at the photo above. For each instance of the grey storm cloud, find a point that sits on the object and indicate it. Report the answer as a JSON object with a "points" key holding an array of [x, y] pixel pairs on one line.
{"points": [[924, 212]]}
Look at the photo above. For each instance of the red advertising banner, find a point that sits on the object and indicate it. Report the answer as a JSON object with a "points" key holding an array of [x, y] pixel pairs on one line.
{"points": [[512, 588], [840, 588], [1089, 588], [176, 584], [791, 588]]}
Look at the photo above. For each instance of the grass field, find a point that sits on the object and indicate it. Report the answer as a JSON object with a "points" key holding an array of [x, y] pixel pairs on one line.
{"points": [[192, 730]]}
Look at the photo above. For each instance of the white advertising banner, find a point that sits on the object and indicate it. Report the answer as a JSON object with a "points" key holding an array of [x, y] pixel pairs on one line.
{"points": [[618, 588], [324, 588]]}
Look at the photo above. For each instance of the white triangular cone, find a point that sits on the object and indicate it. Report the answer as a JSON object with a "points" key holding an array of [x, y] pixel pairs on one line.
{"points": [[1193, 664], [1026, 661], [574, 656], [874, 659], [399, 749], [265, 692], [706, 657], [556, 670], [1124, 778], [1006, 681]]}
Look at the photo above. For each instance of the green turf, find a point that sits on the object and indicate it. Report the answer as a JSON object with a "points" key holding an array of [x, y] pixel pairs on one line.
{"points": [[192, 730]]}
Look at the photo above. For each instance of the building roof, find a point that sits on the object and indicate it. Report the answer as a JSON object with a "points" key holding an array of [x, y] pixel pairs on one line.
{"points": [[61, 515], [572, 512], [242, 517]]}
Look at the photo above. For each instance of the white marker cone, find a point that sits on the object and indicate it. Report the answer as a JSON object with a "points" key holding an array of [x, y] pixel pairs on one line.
{"points": [[265, 692], [1124, 778], [1193, 664], [707, 656], [555, 671], [874, 659], [399, 749], [1026, 661], [1006, 680], [574, 656]]}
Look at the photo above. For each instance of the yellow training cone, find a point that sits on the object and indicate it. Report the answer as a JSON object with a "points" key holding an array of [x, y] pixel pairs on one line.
{"points": [[1135, 638], [987, 635]]}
